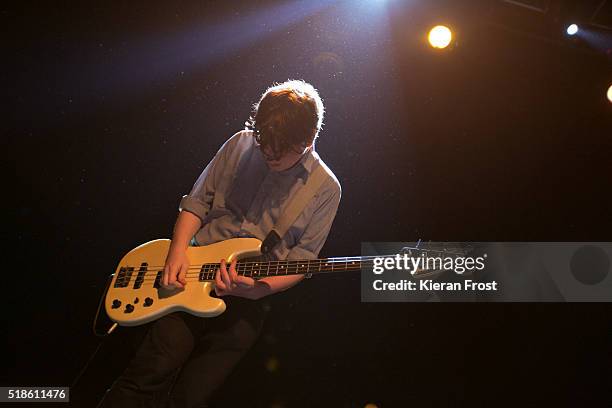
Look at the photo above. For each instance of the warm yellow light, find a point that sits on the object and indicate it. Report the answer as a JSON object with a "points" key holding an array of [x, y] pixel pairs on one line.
{"points": [[440, 36], [610, 93]]}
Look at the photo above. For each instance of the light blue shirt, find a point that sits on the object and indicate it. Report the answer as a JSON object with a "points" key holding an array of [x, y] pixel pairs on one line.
{"points": [[237, 195]]}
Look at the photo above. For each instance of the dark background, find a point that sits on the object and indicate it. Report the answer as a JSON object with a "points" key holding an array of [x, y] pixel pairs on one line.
{"points": [[112, 111]]}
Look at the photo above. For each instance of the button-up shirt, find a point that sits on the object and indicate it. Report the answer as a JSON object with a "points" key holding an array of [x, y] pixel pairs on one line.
{"points": [[237, 195]]}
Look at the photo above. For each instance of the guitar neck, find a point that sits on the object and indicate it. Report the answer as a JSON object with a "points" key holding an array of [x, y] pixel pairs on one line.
{"points": [[256, 269], [262, 269]]}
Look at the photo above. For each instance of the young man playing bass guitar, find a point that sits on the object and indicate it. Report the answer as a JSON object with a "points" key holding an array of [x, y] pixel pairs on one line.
{"points": [[242, 192]]}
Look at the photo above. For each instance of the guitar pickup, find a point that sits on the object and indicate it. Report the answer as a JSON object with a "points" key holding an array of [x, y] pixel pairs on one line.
{"points": [[157, 283], [141, 274], [123, 277]]}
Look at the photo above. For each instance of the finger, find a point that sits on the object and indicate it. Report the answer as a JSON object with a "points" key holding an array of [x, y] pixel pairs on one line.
{"points": [[182, 274], [218, 287], [172, 282], [165, 276], [168, 279], [218, 282], [224, 275], [233, 274]]}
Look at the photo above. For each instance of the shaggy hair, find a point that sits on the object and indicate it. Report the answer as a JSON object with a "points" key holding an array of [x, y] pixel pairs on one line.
{"points": [[288, 116]]}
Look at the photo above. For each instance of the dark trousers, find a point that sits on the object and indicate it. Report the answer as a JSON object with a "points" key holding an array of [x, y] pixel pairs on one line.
{"points": [[184, 358]]}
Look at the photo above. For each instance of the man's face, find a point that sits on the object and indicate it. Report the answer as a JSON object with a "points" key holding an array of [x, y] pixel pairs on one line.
{"points": [[287, 160]]}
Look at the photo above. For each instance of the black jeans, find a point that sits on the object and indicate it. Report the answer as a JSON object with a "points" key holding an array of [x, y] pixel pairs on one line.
{"points": [[184, 358]]}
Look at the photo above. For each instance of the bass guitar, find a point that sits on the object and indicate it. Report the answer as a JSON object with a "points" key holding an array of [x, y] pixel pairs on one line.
{"points": [[135, 295]]}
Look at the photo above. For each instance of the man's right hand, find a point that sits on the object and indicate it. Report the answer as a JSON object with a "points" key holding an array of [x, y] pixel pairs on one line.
{"points": [[175, 270]]}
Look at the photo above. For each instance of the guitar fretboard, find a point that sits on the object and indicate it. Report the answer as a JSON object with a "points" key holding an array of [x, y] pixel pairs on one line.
{"points": [[262, 269]]}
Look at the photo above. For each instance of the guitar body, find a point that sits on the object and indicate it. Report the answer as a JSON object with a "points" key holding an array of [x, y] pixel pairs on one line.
{"points": [[135, 296]]}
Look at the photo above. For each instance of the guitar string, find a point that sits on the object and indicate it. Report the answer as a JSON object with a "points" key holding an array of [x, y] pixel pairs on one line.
{"points": [[286, 270], [335, 259], [147, 276], [137, 269], [197, 279], [284, 273], [242, 266], [417, 276]]}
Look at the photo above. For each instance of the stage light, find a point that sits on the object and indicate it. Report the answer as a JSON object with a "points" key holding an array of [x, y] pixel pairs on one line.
{"points": [[440, 36], [610, 93], [572, 29]]}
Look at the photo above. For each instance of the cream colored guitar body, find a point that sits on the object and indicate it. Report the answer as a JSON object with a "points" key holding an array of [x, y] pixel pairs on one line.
{"points": [[135, 296]]}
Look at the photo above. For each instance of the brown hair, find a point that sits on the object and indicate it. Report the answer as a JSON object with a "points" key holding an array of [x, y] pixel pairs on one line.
{"points": [[288, 114]]}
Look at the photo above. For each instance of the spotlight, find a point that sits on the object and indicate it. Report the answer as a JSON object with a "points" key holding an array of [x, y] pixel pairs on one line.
{"points": [[572, 29], [610, 93], [440, 36]]}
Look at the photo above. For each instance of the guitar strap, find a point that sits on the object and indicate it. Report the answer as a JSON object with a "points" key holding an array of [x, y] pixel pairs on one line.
{"points": [[294, 208]]}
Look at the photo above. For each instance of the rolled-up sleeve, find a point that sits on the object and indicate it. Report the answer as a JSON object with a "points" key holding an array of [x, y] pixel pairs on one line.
{"points": [[318, 228], [199, 201]]}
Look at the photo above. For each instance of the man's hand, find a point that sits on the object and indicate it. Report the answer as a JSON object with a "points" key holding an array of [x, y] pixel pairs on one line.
{"points": [[177, 265], [230, 283]]}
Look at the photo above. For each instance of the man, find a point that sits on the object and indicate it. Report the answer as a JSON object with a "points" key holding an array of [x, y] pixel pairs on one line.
{"points": [[241, 193]]}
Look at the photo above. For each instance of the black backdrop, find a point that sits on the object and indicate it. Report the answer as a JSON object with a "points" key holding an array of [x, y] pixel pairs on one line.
{"points": [[112, 111]]}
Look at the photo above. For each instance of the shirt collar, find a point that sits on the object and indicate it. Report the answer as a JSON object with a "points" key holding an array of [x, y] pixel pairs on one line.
{"points": [[309, 159]]}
